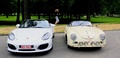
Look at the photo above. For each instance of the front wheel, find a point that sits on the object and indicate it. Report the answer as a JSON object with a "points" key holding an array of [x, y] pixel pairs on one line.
{"points": [[53, 35], [66, 38], [69, 46]]}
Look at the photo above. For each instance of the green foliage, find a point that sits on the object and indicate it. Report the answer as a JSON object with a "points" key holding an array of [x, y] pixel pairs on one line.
{"points": [[7, 6], [11, 18], [68, 7], [105, 19]]}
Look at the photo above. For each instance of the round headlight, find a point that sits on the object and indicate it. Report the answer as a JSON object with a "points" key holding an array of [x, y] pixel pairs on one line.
{"points": [[102, 36], [11, 36], [46, 36], [73, 36]]}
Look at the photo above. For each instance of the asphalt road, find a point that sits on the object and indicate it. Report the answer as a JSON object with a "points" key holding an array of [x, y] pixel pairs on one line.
{"points": [[60, 50]]}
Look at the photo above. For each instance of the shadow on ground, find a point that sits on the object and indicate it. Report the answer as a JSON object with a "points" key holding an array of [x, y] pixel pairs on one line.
{"points": [[84, 49], [7, 23], [29, 54]]}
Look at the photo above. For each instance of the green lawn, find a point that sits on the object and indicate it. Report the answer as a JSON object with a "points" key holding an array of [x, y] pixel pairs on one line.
{"points": [[105, 20], [13, 18], [93, 19], [109, 23]]}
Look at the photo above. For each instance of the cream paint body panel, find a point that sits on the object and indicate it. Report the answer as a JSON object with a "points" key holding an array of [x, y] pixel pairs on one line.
{"points": [[84, 34]]}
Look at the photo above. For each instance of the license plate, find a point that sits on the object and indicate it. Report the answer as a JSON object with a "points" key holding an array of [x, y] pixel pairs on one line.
{"points": [[89, 43], [25, 47]]}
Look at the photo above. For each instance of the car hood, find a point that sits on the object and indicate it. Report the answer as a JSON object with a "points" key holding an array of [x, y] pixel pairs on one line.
{"points": [[30, 33], [86, 32]]}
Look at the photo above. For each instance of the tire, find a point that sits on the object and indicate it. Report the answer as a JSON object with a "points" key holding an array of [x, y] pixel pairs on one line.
{"points": [[66, 38], [53, 35], [69, 47], [50, 50], [98, 47], [66, 41], [13, 53]]}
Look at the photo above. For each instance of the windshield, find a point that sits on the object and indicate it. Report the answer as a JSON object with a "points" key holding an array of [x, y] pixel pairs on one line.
{"points": [[81, 23], [35, 24]]}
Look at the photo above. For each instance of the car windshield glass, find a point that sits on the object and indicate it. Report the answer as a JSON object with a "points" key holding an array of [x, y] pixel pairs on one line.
{"points": [[81, 23], [35, 24]]}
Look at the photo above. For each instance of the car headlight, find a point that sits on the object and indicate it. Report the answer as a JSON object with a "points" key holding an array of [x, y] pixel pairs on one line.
{"points": [[102, 36], [73, 36], [46, 36], [11, 36]]}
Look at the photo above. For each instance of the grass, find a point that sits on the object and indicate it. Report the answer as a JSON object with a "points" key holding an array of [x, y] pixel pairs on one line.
{"points": [[6, 29], [60, 28], [105, 19], [104, 23], [13, 18], [93, 19]]}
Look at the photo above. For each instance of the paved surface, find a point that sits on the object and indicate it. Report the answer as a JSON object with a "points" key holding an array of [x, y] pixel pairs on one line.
{"points": [[60, 50]]}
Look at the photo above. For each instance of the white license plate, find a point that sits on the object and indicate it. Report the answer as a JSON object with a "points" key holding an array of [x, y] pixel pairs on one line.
{"points": [[26, 47]]}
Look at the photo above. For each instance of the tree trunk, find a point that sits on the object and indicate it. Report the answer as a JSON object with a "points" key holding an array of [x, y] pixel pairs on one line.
{"points": [[23, 12], [88, 16], [76, 16], [7, 15], [79, 16], [49, 16], [61, 15], [44, 14], [70, 16], [18, 12], [88, 12], [26, 9], [38, 15]]}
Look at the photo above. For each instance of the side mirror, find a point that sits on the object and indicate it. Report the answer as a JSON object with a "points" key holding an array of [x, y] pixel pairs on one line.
{"points": [[18, 25], [52, 25]]}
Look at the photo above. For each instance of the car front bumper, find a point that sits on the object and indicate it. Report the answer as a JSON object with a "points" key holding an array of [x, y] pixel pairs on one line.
{"points": [[88, 44], [30, 47]]}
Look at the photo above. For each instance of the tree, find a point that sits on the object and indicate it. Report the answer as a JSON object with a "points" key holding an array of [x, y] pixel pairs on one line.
{"points": [[26, 9], [112, 6], [18, 12], [7, 7]]}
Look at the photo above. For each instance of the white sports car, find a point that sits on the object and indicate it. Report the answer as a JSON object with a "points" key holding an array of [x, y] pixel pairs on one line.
{"points": [[83, 34], [31, 36]]}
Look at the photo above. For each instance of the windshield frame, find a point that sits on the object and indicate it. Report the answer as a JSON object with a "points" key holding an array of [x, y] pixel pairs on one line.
{"points": [[29, 24], [80, 23]]}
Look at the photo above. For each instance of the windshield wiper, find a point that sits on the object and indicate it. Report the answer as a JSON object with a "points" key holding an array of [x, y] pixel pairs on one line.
{"points": [[80, 24]]}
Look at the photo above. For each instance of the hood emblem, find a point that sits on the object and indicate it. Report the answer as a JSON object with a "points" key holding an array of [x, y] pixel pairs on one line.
{"points": [[90, 35], [27, 38]]}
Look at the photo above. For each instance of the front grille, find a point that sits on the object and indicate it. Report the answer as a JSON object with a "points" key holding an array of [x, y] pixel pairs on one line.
{"points": [[26, 49]]}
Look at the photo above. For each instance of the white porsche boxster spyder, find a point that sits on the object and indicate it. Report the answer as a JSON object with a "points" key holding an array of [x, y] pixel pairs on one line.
{"points": [[83, 34], [31, 36]]}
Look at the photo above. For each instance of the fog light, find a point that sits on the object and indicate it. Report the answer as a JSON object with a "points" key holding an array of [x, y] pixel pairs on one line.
{"points": [[11, 46]]}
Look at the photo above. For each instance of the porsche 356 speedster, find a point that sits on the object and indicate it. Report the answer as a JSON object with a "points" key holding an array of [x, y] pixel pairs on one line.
{"points": [[83, 34]]}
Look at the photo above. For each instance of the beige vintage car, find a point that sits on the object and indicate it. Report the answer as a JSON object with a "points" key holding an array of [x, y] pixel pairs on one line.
{"points": [[83, 34]]}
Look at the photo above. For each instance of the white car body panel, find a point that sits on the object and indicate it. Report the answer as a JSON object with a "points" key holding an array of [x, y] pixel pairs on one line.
{"points": [[31, 36]]}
